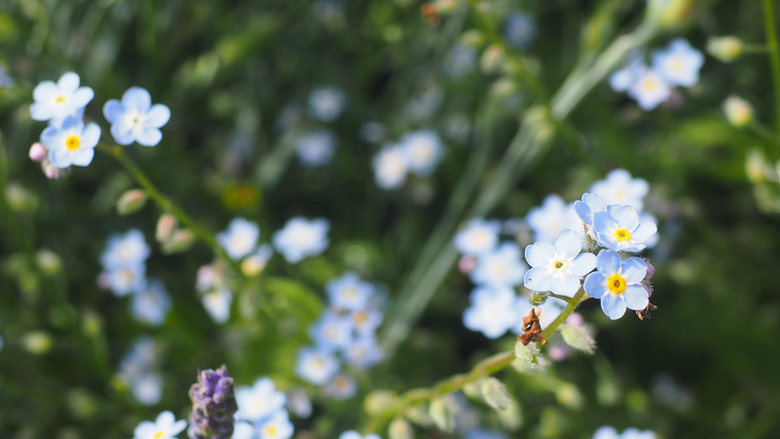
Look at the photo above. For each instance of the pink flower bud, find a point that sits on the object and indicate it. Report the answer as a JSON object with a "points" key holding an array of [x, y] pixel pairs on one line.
{"points": [[37, 152]]}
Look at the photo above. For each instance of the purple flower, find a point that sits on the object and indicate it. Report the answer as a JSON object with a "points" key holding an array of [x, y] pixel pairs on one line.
{"points": [[213, 405]]}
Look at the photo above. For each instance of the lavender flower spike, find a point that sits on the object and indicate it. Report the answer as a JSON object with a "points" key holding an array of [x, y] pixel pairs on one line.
{"points": [[213, 405]]}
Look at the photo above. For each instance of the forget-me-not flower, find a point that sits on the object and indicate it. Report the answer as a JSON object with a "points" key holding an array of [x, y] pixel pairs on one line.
{"points": [[620, 188], [151, 304], [590, 204], [126, 279], [135, 119], [240, 238], [619, 229], [332, 331], [327, 103], [124, 249], [71, 142], [492, 311], [621, 80], [478, 236], [341, 386], [520, 29], [553, 216], [316, 365], [618, 284], [300, 238], [558, 267], [316, 148], [258, 401], [164, 427], [423, 151], [649, 89], [352, 434], [363, 353], [349, 292], [56, 101], [500, 267], [679, 63], [390, 167]]}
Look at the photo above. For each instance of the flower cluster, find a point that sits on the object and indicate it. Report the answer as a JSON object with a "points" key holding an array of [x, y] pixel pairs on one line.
{"points": [[345, 332], [676, 65], [261, 413], [418, 153], [608, 432], [124, 273], [68, 140], [561, 268], [495, 269], [138, 371]]}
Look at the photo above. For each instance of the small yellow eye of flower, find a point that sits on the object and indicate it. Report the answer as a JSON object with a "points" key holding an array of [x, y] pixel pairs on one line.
{"points": [[59, 99], [649, 84], [622, 235], [159, 434], [616, 283], [72, 143], [558, 264]]}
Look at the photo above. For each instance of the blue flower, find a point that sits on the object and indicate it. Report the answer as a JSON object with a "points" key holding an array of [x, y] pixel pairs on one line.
{"points": [[300, 238], [622, 80], [151, 304], [332, 331], [341, 386], [501, 267], [327, 103], [135, 119], [316, 365], [650, 88], [553, 216], [620, 188], [619, 229], [520, 30], [258, 401], [316, 148], [390, 167], [590, 204], [71, 143], [5, 80], [352, 434], [126, 279], [492, 311], [125, 249], [240, 238], [618, 284], [349, 292], [679, 63], [558, 267], [363, 353], [478, 236], [56, 101]]}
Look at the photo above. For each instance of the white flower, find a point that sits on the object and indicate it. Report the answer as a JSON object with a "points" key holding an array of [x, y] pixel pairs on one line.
{"points": [[679, 63], [327, 103], [558, 267], [501, 267], [315, 365], [217, 303], [478, 236], [341, 386], [649, 89], [349, 292], [390, 167], [423, 151], [316, 148], [151, 304], [135, 119], [619, 188], [165, 427], [552, 217], [492, 311]]}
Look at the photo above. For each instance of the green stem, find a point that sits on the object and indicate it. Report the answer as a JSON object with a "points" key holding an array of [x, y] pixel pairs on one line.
{"points": [[774, 55], [167, 205], [483, 369]]}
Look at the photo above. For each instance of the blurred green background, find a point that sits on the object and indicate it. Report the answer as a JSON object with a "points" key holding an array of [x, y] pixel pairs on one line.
{"points": [[237, 76]]}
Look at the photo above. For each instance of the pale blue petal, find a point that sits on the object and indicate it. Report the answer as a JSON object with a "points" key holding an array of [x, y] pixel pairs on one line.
{"points": [[584, 212], [91, 136], [41, 111], [49, 137], [149, 137], [157, 116], [137, 98], [83, 156], [568, 244], [595, 202], [121, 134], [44, 91], [582, 264], [596, 285], [644, 231], [82, 97], [72, 123], [565, 285], [608, 262], [627, 218], [604, 227], [69, 82], [539, 254], [113, 111], [635, 297], [538, 279], [613, 306], [60, 158], [634, 270]]}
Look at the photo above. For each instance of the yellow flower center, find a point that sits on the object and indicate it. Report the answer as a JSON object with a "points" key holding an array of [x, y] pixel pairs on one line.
{"points": [[558, 264], [59, 99], [616, 283], [271, 430], [622, 235], [159, 434], [72, 143]]}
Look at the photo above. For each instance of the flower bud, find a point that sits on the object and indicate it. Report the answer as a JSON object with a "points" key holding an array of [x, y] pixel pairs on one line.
{"points": [[726, 49], [492, 59], [442, 414], [53, 172], [495, 394], [36, 342], [180, 241], [165, 227], [378, 401], [738, 111], [38, 152], [213, 405], [400, 429], [49, 261], [579, 337], [669, 13], [131, 201], [511, 417]]}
